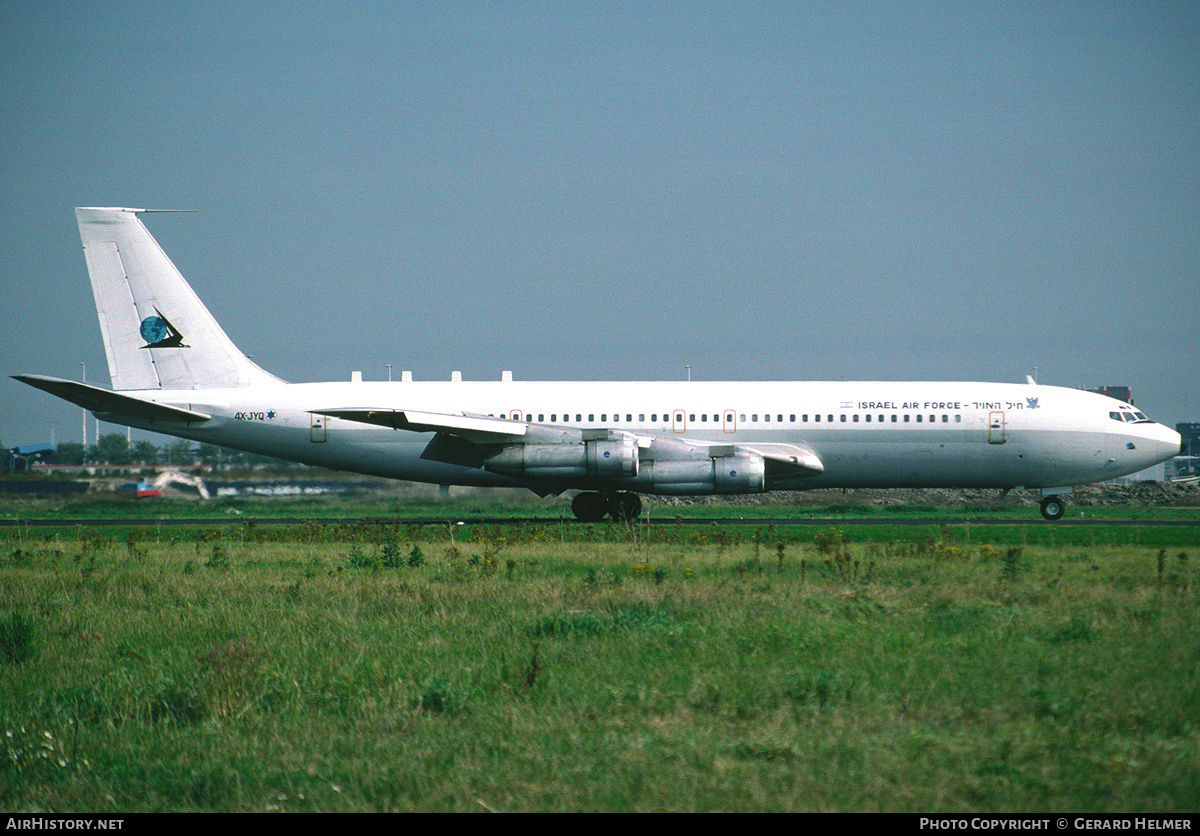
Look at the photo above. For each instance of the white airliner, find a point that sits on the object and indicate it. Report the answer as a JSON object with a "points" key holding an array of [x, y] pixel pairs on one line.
{"points": [[174, 371]]}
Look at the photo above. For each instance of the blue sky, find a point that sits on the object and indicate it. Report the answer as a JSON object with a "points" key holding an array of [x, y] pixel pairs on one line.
{"points": [[616, 190]]}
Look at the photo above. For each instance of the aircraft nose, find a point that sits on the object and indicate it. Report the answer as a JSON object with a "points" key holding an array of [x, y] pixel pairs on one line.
{"points": [[1161, 443], [1175, 442]]}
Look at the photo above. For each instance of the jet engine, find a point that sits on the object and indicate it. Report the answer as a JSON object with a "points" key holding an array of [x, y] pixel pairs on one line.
{"points": [[737, 473], [603, 459]]}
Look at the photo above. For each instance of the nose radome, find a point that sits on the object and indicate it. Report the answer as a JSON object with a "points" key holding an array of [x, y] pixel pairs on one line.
{"points": [[1172, 442]]}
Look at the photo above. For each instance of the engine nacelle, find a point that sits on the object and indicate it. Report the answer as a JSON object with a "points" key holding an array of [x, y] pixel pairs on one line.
{"points": [[739, 473], [603, 459]]}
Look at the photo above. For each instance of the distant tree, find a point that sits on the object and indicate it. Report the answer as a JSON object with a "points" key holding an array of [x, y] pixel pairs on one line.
{"points": [[212, 455], [145, 452], [180, 451], [69, 452], [113, 449]]}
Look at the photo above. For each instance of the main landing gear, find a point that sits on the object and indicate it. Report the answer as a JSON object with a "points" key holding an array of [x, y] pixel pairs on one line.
{"points": [[592, 506], [1053, 507]]}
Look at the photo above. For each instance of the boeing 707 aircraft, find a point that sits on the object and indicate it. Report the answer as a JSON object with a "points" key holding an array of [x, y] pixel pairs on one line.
{"points": [[174, 371]]}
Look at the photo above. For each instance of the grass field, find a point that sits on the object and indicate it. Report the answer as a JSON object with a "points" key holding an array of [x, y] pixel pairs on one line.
{"points": [[564, 667]]}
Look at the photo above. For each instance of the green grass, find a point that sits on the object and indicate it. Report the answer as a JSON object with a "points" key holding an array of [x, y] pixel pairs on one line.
{"points": [[522, 504], [566, 667]]}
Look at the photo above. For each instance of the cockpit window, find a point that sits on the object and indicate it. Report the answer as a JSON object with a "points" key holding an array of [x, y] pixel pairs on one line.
{"points": [[1132, 416]]}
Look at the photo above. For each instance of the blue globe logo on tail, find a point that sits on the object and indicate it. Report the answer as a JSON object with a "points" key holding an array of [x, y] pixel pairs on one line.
{"points": [[158, 332], [154, 329]]}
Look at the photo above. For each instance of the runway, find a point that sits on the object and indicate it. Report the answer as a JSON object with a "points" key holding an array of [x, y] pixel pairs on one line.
{"points": [[778, 522]]}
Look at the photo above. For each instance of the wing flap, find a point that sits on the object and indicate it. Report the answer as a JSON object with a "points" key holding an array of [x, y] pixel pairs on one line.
{"points": [[474, 427], [104, 401]]}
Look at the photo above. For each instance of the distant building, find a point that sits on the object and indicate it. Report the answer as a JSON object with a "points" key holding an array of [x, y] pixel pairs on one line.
{"points": [[18, 459], [1187, 463], [1120, 393]]}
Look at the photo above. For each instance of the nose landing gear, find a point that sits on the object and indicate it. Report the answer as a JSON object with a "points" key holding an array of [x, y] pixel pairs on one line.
{"points": [[1053, 507]]}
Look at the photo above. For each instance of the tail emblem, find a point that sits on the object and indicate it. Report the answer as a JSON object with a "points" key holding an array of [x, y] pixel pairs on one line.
{"points": [[158, 332]]}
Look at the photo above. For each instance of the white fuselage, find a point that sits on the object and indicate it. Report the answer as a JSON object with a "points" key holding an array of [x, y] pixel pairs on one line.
{"points": [[867, 434]]}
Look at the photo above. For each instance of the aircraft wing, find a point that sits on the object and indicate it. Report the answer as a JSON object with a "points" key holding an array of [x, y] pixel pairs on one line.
{"points": [[478, 428], [468, 440], [105, 401], [782, 460]]}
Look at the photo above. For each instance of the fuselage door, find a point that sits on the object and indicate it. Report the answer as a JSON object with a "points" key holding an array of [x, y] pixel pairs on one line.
{"points": [[729, 421], [317, 430], [995, 428], [679, 421]]}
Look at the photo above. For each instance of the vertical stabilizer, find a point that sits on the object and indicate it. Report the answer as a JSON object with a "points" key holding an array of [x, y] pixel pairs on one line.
{"points": [[157, 332]]}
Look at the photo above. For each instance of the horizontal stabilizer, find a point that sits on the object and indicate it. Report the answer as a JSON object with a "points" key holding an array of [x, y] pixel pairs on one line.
{"points": [[95, 399]]}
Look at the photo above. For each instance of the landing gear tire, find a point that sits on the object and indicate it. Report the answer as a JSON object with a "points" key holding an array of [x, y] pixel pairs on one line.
{"points": [[1053, 507], [589, 507], [625, 507]]}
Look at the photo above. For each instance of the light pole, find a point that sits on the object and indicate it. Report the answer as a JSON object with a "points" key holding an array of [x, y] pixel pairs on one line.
{"points": [[84, 411], [389, 365]]}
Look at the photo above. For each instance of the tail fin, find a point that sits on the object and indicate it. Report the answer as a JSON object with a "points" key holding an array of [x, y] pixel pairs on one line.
{"points": [[157, 332]]}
